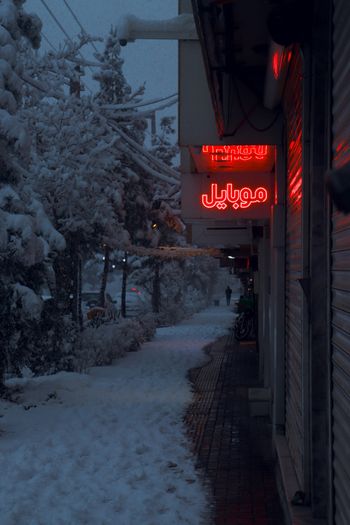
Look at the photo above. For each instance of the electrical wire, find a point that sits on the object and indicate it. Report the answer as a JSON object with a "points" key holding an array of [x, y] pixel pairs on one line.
{"points": [[48, 41], [246, 115], [79, 23], [56, 20], [61, 27]]}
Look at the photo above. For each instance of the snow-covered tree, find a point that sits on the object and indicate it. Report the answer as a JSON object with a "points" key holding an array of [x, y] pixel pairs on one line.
{"points": [[27, 238], [114, 88], [163, 148], [137, 190]]}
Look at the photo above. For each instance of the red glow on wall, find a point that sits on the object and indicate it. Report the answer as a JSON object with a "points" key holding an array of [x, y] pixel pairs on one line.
{"points": [[236, 198], [280, 59], [277, 60]]}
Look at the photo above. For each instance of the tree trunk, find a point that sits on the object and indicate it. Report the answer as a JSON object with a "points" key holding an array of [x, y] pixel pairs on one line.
{"points": [[80, 288], [104, 276], [125, 276], [74, 84], [62, 266], [76, 283], [2, 372], [156, 288]]}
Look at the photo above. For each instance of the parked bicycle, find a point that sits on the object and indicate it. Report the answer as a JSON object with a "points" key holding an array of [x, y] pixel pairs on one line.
{"points": [[244, 327]]}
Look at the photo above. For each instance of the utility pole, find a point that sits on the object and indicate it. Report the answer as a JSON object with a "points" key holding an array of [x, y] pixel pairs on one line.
{"points": [[74, 85], [76, 263]]}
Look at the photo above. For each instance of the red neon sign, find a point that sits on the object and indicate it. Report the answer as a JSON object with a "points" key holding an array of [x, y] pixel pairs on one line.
{"points": [[241, 198], [236, 152]]}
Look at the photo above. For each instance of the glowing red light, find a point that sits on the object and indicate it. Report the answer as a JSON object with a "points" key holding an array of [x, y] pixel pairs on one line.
{"points": [[238, 198], [222, 158], [280, 59], [236, 153], [277, 64]]}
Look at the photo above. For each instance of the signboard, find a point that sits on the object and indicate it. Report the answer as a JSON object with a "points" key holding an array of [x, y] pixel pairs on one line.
{"points": [[218, 158], [226, 196]]}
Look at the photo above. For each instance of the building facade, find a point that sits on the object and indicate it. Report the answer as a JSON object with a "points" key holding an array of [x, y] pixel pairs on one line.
{"points": [[278, 74]]}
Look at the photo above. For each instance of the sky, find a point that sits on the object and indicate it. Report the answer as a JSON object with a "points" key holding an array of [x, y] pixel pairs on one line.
{"points": [[153, 62]]}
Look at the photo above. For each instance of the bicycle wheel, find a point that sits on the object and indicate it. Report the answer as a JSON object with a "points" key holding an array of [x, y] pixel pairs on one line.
{"points": [[242, 327]]}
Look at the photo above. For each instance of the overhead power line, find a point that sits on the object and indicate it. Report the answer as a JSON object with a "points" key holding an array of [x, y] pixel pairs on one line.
{"points": [[56, 20], [79, 23], [48, 41], [52, 14]]}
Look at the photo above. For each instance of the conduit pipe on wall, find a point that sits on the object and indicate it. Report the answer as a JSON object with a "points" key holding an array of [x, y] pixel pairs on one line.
{"points": [[181, 27]]}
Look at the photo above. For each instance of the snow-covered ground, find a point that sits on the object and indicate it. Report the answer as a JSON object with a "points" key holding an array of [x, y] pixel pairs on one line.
{"points": [[108, 447]]}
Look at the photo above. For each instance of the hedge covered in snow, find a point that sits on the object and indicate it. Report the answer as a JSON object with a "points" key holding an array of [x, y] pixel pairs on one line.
{"points": [[103, 344]]}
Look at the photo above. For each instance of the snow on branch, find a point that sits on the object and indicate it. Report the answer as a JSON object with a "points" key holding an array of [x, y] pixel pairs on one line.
{"points": [[44, 227], [137, 105], [13, 130], [174, 194], [40, 86], [146, 167], [173, 252], [137, 115], [158, 163]]}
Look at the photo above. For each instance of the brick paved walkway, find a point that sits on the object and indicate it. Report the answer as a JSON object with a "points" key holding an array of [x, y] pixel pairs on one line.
{"points": [[233, 448]]}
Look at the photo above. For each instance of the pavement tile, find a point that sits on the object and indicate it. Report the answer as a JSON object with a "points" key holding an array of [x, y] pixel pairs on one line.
{"points": [[226, 438]]}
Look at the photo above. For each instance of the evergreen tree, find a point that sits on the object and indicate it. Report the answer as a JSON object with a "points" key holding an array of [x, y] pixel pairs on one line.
{"points": [[114, 88], [27, 238]]}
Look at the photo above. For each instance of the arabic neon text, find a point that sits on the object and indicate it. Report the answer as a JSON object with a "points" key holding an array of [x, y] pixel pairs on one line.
{"points": [[241, 198]]}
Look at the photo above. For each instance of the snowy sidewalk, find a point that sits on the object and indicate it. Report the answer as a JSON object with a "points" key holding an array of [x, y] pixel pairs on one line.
{"points": [[109, 448]]}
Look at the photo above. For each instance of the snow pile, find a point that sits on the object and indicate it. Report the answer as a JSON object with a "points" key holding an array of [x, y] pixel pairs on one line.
{"points": [[109, 447]]}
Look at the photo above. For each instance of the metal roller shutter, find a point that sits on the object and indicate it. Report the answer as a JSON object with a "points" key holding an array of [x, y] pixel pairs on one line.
{"points": [[293, 108], [340, 270]]}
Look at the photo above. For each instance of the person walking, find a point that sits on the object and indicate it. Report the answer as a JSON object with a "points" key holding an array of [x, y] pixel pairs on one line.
{"points": [[228, 293]]}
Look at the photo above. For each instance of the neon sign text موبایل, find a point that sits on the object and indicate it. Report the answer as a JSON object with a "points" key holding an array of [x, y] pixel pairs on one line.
{"points": [[241, 198], [234, 153]]}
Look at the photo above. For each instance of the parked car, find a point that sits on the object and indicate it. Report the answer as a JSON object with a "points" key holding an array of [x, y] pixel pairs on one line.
{"points": [[91, 299], [136, 301]]}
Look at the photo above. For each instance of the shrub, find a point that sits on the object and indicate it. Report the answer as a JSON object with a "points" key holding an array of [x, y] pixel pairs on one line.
{"points": [[105, 343]]}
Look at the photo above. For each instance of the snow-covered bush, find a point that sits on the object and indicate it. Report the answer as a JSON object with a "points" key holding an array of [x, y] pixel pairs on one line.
{"points": [[103, 344]]}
